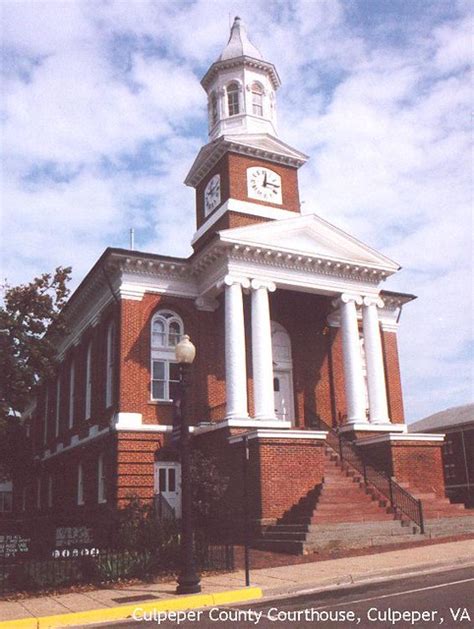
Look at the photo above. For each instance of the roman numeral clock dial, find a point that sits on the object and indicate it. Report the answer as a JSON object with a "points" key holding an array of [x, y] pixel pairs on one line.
{"points": [[212, 194], [264, 184]]}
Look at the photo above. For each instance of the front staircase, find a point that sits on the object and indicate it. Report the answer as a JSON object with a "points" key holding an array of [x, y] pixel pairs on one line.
{"points": [[345, 512]]}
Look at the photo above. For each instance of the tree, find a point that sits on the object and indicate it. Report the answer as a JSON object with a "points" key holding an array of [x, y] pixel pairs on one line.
{"points": [[29, 320]]}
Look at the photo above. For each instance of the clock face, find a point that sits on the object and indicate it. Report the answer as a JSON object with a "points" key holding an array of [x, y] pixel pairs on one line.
{"points": [[212, 194], [264, 184]]}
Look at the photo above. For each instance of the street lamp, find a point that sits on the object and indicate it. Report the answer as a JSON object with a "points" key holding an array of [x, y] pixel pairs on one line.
{"points": [[188, 579]]}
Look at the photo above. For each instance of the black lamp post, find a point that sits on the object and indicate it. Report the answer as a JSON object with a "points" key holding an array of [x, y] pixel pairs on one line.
{"points": [[188, 579]]}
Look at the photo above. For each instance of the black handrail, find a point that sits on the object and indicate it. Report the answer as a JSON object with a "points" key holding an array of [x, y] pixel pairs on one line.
{"points": [[400, 499]]}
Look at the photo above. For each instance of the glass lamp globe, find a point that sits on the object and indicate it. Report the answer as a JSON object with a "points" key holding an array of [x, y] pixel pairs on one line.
{"points": [[185, 351]]}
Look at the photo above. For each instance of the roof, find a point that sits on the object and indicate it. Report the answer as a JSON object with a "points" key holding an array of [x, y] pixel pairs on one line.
{"points": [[239, 45], [455, 416]]}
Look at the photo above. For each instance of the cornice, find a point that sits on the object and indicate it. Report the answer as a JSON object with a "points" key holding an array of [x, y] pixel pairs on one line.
{"points": [[319, 265], [248, 62], [209, 155]]}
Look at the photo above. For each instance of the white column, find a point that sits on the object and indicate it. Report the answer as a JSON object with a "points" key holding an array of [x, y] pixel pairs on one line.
{"points": [[353, 374], [378, 409], [262, 359], [235, 358]]}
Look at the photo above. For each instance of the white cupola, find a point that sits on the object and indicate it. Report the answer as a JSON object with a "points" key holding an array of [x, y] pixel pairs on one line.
{"points": [[241, 88]]}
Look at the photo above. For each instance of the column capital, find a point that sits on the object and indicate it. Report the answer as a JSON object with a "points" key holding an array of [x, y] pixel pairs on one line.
{"points": [[345, 298], [229, 280], [257, 283], [373, 300]]}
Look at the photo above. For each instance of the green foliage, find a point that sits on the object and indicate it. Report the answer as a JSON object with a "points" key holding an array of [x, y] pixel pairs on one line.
{"points": [[208, 487], [29, 319]]}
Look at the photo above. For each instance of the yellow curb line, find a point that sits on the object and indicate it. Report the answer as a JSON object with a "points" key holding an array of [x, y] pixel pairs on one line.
{"points": [[125, 612]]}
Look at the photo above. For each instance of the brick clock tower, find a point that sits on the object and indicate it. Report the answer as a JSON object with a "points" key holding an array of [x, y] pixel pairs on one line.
{"points": [[245, 174]]}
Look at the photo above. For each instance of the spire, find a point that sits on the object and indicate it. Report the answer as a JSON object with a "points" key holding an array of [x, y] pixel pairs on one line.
{"points": [[239, 45]]}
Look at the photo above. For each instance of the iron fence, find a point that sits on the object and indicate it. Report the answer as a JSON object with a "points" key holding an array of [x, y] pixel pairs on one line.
{"points": [[401, 501], [73, 566]]}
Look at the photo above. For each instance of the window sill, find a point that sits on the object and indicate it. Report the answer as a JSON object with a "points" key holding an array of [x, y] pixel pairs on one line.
{"points": [[160, 402]]}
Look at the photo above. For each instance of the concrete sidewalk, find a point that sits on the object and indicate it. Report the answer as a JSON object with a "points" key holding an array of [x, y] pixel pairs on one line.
{"points": [[273, 581]]}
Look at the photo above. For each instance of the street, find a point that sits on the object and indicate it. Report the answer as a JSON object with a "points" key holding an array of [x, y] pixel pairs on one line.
{"points": [[442, 599]]}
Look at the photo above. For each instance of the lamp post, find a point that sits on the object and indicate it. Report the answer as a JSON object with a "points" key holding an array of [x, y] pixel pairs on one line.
{"points": [[188, 579]]}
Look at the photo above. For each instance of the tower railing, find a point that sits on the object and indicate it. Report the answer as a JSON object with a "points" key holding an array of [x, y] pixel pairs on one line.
{"points": [[401, 501]]}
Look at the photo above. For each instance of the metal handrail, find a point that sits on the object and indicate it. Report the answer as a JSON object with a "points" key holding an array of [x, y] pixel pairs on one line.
{"points": [[400, 499]]}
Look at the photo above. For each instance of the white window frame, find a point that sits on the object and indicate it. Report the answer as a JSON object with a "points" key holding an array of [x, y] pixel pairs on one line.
{"points": [[72, 392], [58, 406], [88, 399], [164, 352], [101, 480], [110, 366], [235, 99], [257, 92], [46, 413], [80, 485]]}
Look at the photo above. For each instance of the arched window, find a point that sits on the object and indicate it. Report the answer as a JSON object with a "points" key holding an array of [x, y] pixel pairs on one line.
{"points": [[88, 404], [166, 332], [257, 99], [110, 365], [233, 98], [213, 111]]}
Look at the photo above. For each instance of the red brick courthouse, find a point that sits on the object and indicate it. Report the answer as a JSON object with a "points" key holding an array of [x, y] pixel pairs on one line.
{"points": [[296, 352]]}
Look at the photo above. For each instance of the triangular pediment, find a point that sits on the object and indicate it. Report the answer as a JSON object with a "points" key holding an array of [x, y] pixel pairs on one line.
{"points": [[261, 145], [309, 235]]}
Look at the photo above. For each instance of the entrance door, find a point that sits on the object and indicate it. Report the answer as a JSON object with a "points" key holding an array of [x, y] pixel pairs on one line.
{"points": [[168, 485], [282, 395]]}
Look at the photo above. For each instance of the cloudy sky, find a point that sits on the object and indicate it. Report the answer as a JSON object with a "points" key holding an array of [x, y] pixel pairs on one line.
{"points": [[102, 115]]}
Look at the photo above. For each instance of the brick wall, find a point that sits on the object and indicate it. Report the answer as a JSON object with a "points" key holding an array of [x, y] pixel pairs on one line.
{"points": [[232, 168], [419, 464], [392, 373]]}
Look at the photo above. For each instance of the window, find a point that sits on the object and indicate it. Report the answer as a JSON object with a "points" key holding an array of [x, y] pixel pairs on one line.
{"points": [[101, 486], [257, 99], [88, 401], [58, 406], [80, 484], [6, 502], [50, 491], [109, 384], [213, 109], [233, 98], [72, 384], [46, 413], [166, 332]]}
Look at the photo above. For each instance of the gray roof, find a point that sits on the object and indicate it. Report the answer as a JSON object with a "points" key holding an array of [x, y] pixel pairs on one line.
{"points": [[239, 45], [445, 419]]}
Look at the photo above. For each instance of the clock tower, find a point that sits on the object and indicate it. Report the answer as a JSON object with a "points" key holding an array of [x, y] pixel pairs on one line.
{"points": [[245, 174]]}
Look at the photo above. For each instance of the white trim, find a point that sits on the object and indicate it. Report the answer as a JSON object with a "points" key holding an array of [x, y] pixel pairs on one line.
{"points": [[243, 207], [367, 427], [75, 442], [242, 423], [80, 485], [420, 437], [319, 435]]}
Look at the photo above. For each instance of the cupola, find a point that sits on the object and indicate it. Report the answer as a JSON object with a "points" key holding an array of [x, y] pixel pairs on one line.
{"points": [[241, 88]]}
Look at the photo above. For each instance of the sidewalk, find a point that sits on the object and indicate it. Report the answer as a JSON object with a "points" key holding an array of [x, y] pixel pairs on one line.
{"points": [[272, 581]]}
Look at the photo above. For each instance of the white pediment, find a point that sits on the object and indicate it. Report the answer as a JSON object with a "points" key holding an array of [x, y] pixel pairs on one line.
{"points": [[309, 235]]}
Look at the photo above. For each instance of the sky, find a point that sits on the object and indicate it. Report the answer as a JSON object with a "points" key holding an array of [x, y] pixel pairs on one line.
{"points": [[102, 115]]}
